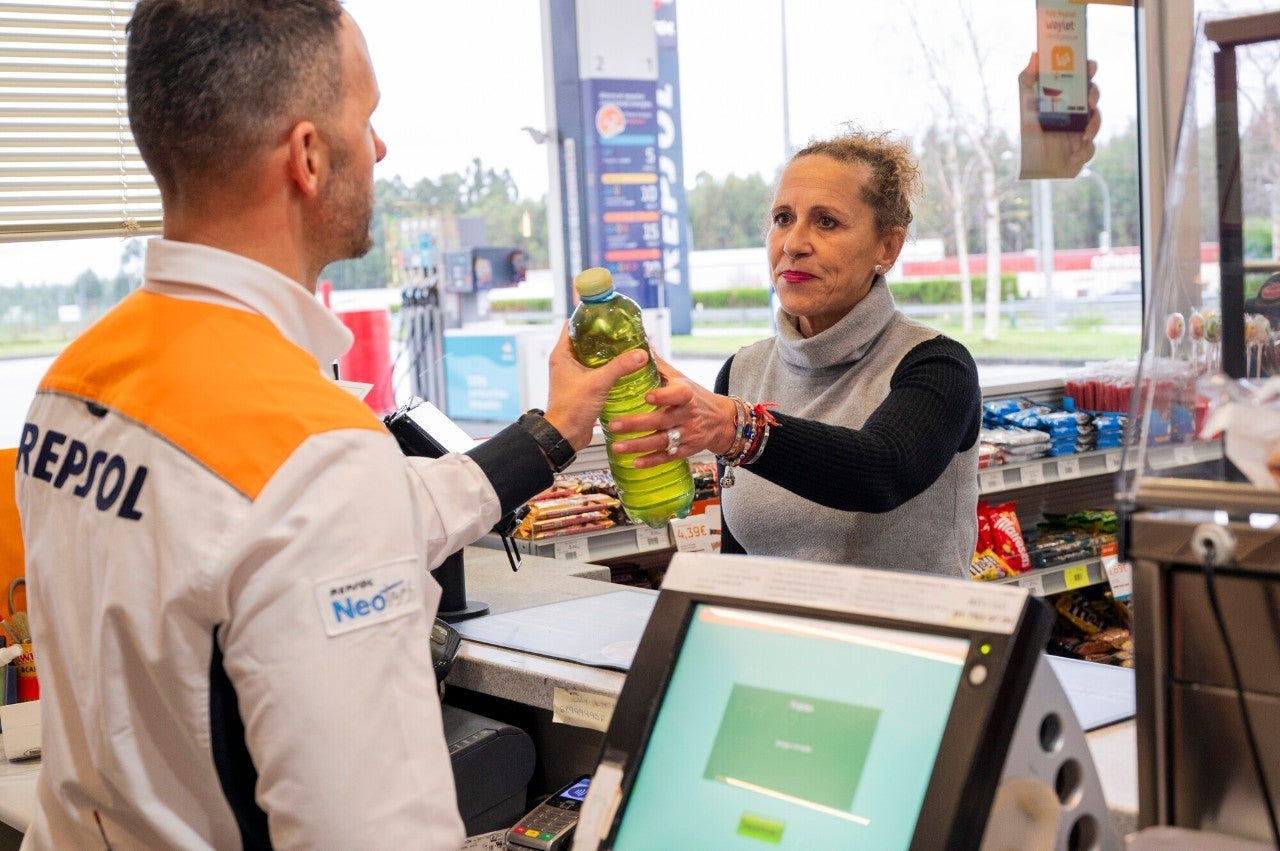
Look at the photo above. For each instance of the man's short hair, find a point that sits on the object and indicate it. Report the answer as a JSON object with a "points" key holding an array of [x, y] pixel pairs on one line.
{"points": [[214, 83]]}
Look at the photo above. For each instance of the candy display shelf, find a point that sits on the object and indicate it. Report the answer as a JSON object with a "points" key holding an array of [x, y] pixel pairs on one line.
{"points": [[1047, 471], [624, 541], [604, 544], [1045, 581]]}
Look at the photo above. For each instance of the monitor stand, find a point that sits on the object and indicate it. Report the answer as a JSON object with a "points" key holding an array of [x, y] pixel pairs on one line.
{"points": [[454, 605], [1049, 794]]}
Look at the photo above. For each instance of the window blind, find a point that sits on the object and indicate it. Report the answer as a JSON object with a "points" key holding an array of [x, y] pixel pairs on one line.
{"points": [[68, 164]]}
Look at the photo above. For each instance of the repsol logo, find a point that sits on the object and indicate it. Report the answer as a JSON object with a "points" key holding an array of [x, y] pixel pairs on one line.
{"points": [[379, 603], [351, 586], [370, 597], [108, 478]]}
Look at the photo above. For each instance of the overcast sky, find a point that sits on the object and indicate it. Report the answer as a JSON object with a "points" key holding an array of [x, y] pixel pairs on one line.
{"points": [[459, 80]]}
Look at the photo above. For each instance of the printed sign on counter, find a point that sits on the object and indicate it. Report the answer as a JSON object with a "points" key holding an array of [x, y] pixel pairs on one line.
{"points": [[582, 709]]}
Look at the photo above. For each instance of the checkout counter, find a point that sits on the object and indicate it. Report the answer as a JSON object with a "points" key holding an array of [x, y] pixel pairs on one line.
{"points": [[558, 702]]}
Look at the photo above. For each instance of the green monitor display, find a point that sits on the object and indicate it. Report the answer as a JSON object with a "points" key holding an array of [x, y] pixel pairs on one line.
{"points": [[795, 732]]}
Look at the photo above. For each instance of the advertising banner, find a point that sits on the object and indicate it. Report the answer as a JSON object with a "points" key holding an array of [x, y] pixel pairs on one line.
{"points": [[675, 211], [623, 200]]}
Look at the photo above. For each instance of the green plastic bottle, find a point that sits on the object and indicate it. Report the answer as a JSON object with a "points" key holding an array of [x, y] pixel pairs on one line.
{"points": [[604, 325]]}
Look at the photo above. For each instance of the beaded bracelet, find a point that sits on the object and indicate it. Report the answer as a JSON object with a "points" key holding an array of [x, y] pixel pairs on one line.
{"points": [[728, 458], [741, 415], [765, 420], [751, 432], [761, 420]]}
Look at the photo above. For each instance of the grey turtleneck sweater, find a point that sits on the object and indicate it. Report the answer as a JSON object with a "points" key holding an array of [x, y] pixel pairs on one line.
{"points": [[874, 458]]}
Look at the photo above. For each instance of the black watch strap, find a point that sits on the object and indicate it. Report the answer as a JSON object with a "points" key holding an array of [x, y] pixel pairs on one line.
{"points": [[559, 450]]}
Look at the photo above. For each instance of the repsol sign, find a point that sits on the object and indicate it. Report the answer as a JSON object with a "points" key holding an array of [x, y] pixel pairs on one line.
{"points": [[107, 480]]}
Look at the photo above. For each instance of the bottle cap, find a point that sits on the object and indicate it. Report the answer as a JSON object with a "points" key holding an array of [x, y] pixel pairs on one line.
{"points": [[593, 281]]}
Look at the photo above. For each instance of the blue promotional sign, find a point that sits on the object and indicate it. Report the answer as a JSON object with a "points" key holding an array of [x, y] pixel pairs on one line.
{"points": [[675, 211], [624, 203], [482, 377]]}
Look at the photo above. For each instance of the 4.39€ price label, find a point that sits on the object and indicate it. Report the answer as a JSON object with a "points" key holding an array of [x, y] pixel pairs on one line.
{"points": [[697, 533]]}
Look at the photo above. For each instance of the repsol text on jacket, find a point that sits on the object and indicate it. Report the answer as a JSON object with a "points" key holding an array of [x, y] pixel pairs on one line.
{"points": [[61, 462]]}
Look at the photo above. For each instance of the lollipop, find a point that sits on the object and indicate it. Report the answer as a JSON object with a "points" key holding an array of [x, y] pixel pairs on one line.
{"points": [[1251, 341], [1257, 333], [1175, 328], [1195, 326], [1195, 330], [1212, 327], [1251, 332], [1212, 336]]}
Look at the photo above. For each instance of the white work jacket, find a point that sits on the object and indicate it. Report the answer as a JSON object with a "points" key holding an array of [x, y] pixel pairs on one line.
{"points": [[227, 566]]}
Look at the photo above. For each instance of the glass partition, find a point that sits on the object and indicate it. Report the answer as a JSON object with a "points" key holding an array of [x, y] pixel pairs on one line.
{"points": [[1203, 406]]}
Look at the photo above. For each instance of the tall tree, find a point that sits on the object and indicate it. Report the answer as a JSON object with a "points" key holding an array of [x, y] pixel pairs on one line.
{"points": [[1260, 167], [1258, 95], [950, 177], [731, 213], [953, 67], [89, 293]]}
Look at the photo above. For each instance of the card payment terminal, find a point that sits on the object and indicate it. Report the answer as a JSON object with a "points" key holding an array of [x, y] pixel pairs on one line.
{"points": [[548, 826]]}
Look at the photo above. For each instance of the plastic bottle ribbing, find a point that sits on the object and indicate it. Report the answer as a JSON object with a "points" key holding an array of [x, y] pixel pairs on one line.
{"points": [[604, 325]]}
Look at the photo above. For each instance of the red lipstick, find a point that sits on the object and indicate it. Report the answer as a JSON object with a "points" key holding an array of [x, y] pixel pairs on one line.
{"points": [[791, 276]]}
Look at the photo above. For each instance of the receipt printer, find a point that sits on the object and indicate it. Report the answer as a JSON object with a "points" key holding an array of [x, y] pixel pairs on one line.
{"points": [[492, 765]]}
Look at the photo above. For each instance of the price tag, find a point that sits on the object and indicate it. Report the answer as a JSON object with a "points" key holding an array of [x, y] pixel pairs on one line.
{"points": [[1033, 582], [694, 534], [991, 480], [1120, 575], [570, 550], [652, 539], [1069, 468], [1032, 474], [1076, 576], [1184, 455], [1113, 462]]}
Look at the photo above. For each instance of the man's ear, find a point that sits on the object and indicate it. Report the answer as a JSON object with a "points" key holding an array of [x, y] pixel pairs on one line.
{"points": [[307, 158]]}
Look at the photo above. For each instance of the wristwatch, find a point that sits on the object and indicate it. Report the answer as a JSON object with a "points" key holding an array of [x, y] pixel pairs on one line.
{"points": [[559, 450]]}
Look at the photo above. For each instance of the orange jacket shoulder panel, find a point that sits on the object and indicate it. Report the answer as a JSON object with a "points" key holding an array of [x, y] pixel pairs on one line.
{"points": [[220, 383]]}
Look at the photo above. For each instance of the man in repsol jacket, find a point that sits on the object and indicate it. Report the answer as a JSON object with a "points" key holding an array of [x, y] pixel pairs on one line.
{"points": [[228, 555]]}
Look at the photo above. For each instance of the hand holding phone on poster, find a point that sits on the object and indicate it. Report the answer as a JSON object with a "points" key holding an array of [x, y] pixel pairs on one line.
{"points": [[1053, 153], [1057, 98]]}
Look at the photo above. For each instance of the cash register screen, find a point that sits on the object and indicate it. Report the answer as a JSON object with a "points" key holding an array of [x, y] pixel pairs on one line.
{"points": [[795, 732]]}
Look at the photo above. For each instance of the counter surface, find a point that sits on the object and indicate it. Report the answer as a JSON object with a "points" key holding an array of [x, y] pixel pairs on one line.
{"points": [[524, 677]]}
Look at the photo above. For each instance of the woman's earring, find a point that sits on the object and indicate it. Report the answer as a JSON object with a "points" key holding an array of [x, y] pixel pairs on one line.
{"points": [[879, 269]]}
